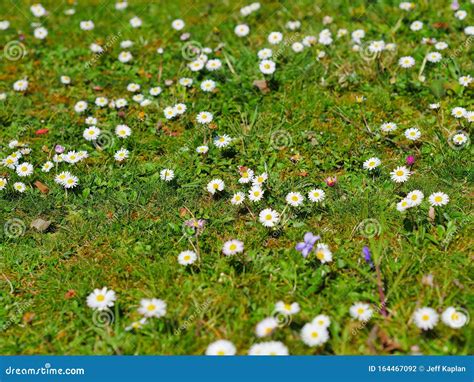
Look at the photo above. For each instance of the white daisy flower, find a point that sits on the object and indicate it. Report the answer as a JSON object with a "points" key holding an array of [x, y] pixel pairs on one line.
{"points": [[202, 149], [121, 5], [269, 217], [460, 14], [47, 166], [458, 112], [101, 299], [221, 347], [416, 26], [186, 82], [208, 85], [406, 6], [222, 141], [256, 194], [441, 45], [40, 33], [196, 65], [19, 186], [294, 199], [459, 139], [268, 348], [91, 133], [314, 335], [133, 87], [215, 185], [297, 47], [167, 175], [71, 181], [180, 108], [213, 65], [125, 57], [361, 311], [266, 327], [465, 80], [232, 247], [287, 309], [404, 204], [258, 180], [187, 257], [357, 35], [136, 22], [152, 307], [38, 10], [264, 54], [24, 169], [275, 38], [96, 48], [204, 117], [177, 24], [86, 25], [387, 127], [126, 44], [322, 321], [20, 85], [316, 195], [123, 131], [121, 155], [425, 318], [136, 325], [454, 318], [267, 67], [434, 57], [415, 197], [372, 163], [238, 198], [3, 183], [434, 106], [400, 174], [323, 253], [80, 106], [412, 134], [438, 199], [242, 30], [101, 101], [406, 62], [246, 176], [155, 91]]}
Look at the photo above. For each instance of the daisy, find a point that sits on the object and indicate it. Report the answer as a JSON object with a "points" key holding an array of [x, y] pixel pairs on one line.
{"points": [[4, 25], [357, 35], [80, 106], [258, 180], [438, 199], [202, 149], [404, 204], [415, 197], [3, 183], [232, 247], [387, 127], [255, 194], [126, 44], [70, 181], [242, 30], [170, 112], [459, 139], [121, 155], [155, 91], [133, 87], [322, 321], [406, 62], [24, 169], [325, 37], [123, 131], [222, 141], [377, 46], [101, 299], [121, 5], [406, 6], [441, 45], [425, 318], [138, 98], [297, 47], [91, 133], [86, 25], [400, 174], [152, 307], [465, 80], [40, 33], [361, 311], [412, 134], [453, 318], [266, 327], [204, 117], [269, 217], [196, 65], [267, 67], [316, 195], [458, 112], [19, 186], [177, 24], [20, 85], [187, 257], [246, 175], [372, 163], [91, 121], [101, 101], [214, 64], [208, 85], [264, 54], [238, 198], [125, 57], [96, 48], [221, 347], [275, 38], [460, 15], [434, 106], [61, 177], [215, 185], [10, 162], [187, 82], [135, 22], [136, 325], [434, 57], [38, 10], [287, 309], [323, 253], [416, 26], [268, 348], [167, 175], [180, 108], [294, 199], [314, 335]]}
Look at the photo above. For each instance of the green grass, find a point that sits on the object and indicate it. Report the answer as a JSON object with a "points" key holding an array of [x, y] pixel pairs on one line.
{"points": [[122, 227]]}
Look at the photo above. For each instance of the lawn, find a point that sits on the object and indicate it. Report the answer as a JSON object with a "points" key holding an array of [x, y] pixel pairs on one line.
{"points": [[309, 125]]}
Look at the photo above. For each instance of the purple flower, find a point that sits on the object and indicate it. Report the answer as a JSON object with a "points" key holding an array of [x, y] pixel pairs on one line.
{"points": [[307, 245], [410, 160], [455, 5], [59, 149], [367, 256]]}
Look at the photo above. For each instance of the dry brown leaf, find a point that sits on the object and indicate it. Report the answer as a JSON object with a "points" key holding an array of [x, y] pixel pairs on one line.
{"points": [[42, 187]]}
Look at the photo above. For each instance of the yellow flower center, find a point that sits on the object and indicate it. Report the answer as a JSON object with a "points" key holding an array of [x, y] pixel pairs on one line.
{"points": [[314, 334], [438, 199], [232, 247], [187, 257], [360, 310], [399, 173], [425, 317], [151, 307], [100, 297]]}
